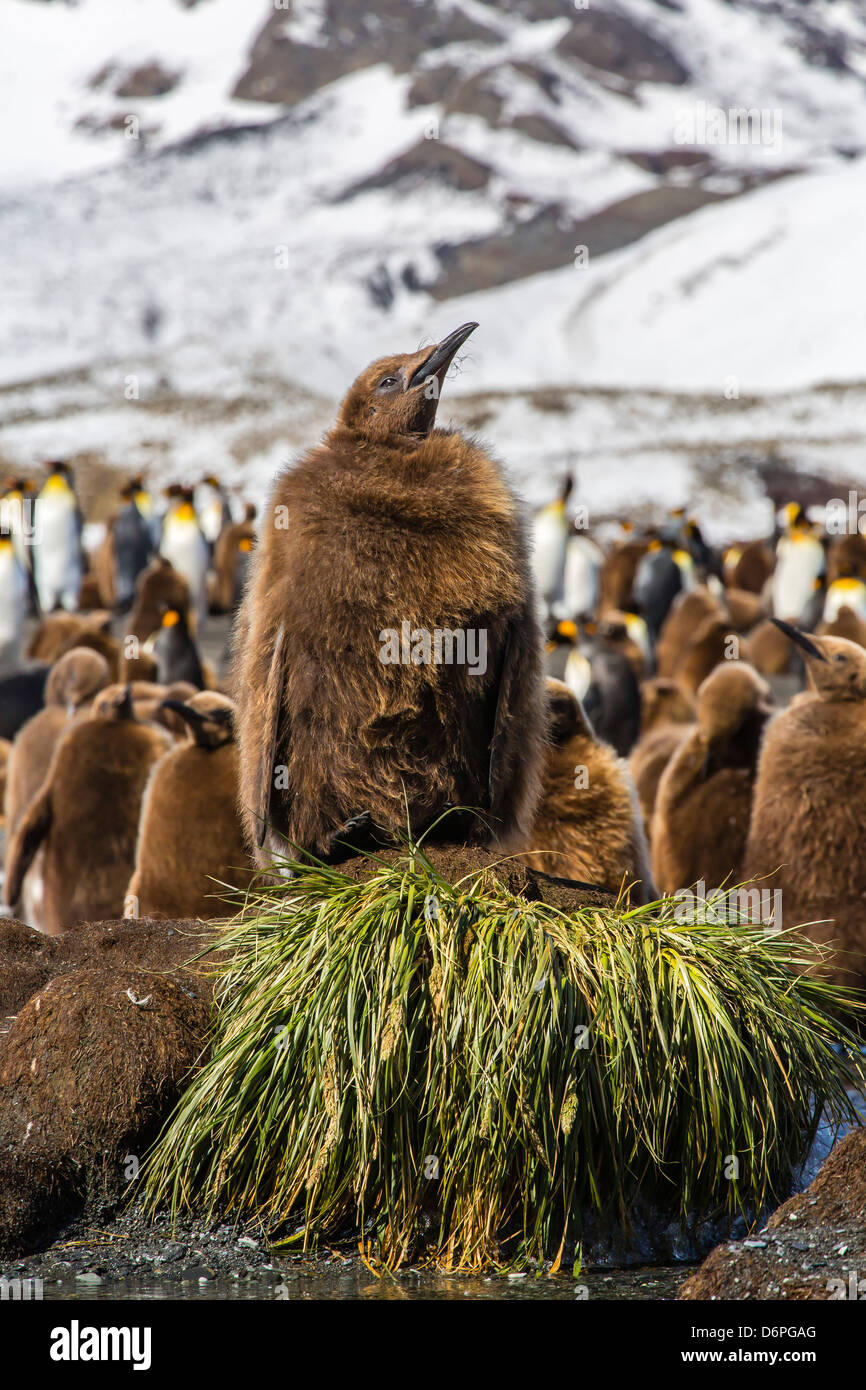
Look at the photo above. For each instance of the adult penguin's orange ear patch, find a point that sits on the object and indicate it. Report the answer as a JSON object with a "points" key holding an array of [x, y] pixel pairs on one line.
{"points": [[170, 617], [245, 544], [566, 628]]}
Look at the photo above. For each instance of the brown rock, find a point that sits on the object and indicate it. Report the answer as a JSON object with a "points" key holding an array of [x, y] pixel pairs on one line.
{"points": [[150, 80], [810, 1245], [611, 42]]}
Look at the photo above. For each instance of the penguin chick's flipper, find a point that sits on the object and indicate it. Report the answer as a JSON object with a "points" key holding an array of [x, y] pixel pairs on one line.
{"points": [[263, 772], [26, 841], [359, 835], [512, 785]]}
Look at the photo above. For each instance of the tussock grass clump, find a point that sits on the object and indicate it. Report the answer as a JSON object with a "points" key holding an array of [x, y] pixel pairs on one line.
{"points": [[463, 1073]]}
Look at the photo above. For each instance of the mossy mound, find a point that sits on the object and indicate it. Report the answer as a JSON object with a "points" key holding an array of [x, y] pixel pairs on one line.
{"points": [[89, 1069]]}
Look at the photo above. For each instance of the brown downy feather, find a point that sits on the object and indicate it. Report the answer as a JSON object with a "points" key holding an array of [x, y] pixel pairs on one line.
{"points": [[704, 797], [388, 521], [753, 567], [768, 650], [225, 560], [688, 611], [5, 750], [102, 569], [809, 817], [666, 713], [617, 574], [58, 633], [846, 624], [191, 847], [84, 817], [847, 558], [744, 609], [709, 645], [588, 823], [663, 702], [73, 681]]}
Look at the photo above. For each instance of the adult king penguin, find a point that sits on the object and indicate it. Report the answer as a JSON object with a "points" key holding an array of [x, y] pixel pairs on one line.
{"points": [[57, 558], [184, 545], [388, 550], [13, 603], [549, 549]]}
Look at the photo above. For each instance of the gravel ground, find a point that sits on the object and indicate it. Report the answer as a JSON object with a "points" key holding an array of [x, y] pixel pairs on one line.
{"points": [[130, 1257]]}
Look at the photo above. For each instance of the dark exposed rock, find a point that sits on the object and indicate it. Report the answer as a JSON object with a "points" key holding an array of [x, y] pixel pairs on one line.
{"points": [[540, 128], [548, 240], [475, 97], [281, 70], [149, 80], [433, 85], [547, 81], [662, 161], [614, 44], [429, 159]]}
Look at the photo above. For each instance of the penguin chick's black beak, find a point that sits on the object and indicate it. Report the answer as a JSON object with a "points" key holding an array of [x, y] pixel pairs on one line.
{"points": [[125, 707], [198, 722], [800, 638], [189, 716], [441, 356]]}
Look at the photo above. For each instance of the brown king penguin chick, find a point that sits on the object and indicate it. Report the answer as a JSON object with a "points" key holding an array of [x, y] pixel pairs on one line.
{"points": [[5, 750], [618, 571], [85, 815], [744, 609], [748, 566], [809, 815], [688, 611], [232, 554], [588, 823], [846, 623], [846, 557], [701, 818], [152, 704], [388, 656], [666, 717], [191, 845], [713, 641], [73, 681], [58, 633], [768, 650]]}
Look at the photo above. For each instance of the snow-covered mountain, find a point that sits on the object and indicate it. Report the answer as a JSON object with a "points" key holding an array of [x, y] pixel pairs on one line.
{"points": [[213, 212]]}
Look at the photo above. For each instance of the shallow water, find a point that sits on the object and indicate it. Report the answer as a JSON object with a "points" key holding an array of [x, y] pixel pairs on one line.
{"points": [[652, 1282]]}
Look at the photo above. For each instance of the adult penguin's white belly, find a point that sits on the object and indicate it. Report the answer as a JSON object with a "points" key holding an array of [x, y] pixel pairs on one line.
{"points": [[57, 567]]}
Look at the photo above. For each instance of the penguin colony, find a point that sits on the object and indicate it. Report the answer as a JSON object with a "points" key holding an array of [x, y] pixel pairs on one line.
{"points": [[629, 708]]}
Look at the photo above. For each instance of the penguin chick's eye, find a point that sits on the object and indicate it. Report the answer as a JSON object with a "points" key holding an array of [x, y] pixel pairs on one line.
{"points": [[388, 383]]}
